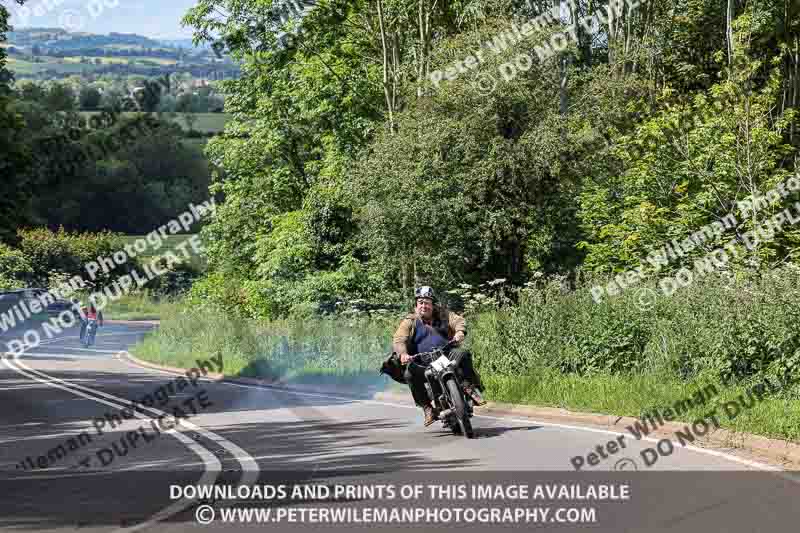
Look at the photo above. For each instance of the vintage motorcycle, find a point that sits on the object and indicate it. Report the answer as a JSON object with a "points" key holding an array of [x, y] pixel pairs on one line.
{"points": [[445, 389]]}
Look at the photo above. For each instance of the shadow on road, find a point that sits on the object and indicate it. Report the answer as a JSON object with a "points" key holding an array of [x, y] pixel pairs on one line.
{"points": [[316, 447], [311, 451]]}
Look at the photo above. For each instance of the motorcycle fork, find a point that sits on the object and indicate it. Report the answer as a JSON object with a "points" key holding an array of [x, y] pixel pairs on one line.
{"points": [[441, 379]]}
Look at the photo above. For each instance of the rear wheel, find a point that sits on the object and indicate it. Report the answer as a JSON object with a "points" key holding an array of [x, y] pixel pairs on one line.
{"points": [[460, 409]]}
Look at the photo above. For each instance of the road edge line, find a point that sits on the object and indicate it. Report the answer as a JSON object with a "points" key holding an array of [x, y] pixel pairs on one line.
{"points": [[774, 453]]}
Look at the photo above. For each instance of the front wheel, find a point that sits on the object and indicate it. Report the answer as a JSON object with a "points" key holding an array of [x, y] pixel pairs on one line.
{"points": [[460, 408]]}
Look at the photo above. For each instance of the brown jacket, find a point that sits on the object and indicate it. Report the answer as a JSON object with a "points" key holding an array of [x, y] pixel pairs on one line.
{"points": [[444, 321]]}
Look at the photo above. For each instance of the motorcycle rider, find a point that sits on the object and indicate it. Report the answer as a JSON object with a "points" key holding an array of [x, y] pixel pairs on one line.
{"points": [[90, 313], [78, 310], [431, 326]]}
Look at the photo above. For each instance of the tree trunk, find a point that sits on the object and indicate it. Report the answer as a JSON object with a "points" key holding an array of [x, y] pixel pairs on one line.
{"points": [[794, 85], [388, 91], [729, 32], [564, 77], [423, 44]]}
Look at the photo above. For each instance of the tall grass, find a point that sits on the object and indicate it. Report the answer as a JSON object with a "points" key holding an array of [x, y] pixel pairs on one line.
{"points": [[311, 350], [551, 348], [139, 305]]}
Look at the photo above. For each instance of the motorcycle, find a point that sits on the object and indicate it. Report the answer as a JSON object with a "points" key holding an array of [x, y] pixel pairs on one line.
{"points": [[89, 334], [445, 389]]}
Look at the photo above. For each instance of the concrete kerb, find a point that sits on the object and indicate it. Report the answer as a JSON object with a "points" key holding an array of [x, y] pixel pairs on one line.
{"points": [[781, 453]]}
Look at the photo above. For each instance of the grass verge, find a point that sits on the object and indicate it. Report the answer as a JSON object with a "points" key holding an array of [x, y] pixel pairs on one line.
{"points": [[138, 306], [530, 355], [637, 396], [320, 352]]}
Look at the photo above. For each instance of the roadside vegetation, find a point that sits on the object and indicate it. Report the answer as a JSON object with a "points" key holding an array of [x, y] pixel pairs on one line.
{"points": [[48, 259], [140, 305], [541, 346], [345, 173]]}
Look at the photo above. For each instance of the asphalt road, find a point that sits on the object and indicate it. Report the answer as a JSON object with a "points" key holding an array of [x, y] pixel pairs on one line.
{"points": [[114, 473]]}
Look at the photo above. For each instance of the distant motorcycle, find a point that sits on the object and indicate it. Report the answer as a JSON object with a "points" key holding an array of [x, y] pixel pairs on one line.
{"points": [[89, 334], [446, 391]]}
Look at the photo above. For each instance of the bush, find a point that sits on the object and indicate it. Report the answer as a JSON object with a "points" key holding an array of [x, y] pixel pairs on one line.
{"points": [[741, 328], [301, 295], [14, 266], [220, 291], [7, 284], [176, 281], [69, 252]]}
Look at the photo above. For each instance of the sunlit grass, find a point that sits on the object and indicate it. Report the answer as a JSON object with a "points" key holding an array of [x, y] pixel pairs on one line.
{"points": [[138, 306], [527, 355]]}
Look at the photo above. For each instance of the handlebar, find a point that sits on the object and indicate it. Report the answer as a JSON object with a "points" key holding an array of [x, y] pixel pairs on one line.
{"points": [[427, 357]]}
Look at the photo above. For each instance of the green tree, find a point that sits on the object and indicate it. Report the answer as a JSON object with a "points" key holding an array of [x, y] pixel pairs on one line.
{"points": [[60, 97], [16, 189], [89, 98], [345, 165]]}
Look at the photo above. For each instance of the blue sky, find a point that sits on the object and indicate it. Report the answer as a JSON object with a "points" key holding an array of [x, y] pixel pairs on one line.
{"points": [[152, 18]]}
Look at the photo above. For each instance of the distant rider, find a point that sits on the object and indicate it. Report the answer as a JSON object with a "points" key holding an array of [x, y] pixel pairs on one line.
{"points": [[91, 312], [78, 311], [430, 327]]}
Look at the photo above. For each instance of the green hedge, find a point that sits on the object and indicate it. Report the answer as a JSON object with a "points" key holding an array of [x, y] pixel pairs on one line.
{"points": [[14, 267], [68, 252]]}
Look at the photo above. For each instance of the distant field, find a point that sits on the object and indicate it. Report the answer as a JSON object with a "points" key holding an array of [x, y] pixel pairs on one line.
{"points": [[123, 60], [136, 47], [196, 261], [26, 67], [197, 144], [72, 64], [206, 122], [67, 67], [159, 60], [104, 60]]}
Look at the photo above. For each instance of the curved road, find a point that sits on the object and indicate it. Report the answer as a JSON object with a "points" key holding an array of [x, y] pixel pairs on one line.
{"points": [[116, 473]]}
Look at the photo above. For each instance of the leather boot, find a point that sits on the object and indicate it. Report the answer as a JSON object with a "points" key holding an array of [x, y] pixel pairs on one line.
{"points": [[475, 394], [430, 415]]}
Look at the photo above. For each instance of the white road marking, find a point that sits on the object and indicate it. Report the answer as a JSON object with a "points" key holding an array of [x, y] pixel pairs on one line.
{"points": [[74, 348], [250, 469], [209, 459], [753, 464]]}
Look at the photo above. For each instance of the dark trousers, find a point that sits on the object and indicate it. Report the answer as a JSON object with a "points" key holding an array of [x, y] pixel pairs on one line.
{"points": [[415, 377]]}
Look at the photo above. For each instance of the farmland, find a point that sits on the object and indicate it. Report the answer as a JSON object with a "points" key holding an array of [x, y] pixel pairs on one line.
{"points": [[205, 122]]}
